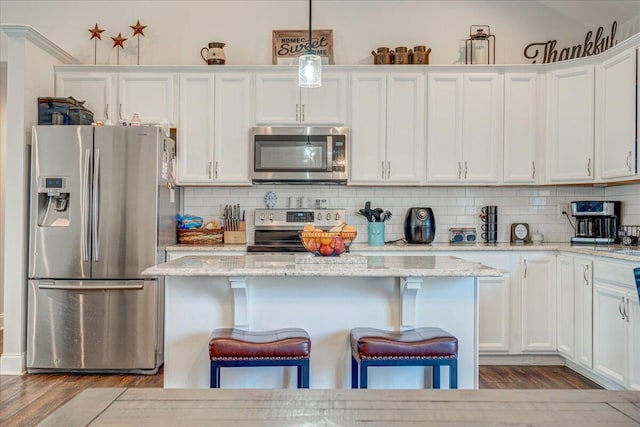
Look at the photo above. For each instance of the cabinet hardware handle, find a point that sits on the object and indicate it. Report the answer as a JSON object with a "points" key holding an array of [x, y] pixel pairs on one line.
{"points": [[382, 170], [303, 105], [459, 170], [629, 161], [533, 170], [216, 168], [466, 169], [626, 309], [589, 167], [297, 112], [525, 268], [389, 169], [620, 308], [106, 112], [210, 164], [120, 112], [585, 269]]}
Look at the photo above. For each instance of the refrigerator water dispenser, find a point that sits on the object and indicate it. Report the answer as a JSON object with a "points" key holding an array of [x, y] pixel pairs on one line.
{"points": [[53, 202]]}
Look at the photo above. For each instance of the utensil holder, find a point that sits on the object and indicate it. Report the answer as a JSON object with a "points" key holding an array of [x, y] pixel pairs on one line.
{"points": [[375, 233]]}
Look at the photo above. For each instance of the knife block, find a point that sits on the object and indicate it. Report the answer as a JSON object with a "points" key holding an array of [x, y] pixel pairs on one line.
{"points": [[236, 237]]}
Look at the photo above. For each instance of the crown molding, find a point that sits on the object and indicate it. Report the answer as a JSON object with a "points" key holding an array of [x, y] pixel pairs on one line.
{"points": [[29, 33]]}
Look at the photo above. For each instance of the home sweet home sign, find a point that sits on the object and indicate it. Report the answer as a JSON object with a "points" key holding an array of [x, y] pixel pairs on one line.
{"points": [[288, 45], [546, 52]]}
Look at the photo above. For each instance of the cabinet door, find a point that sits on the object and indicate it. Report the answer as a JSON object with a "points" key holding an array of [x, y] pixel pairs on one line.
{"points": [[93, 88], [368, 128], [327, 104], [482, 128], [277, 98], [494, 314], [566, 312], [583, 279], [609, 331], [538, 303], [520, 128], [148, 94], [232, 126], [616, 116], [405, 142], [570, 120], [633, 324], [444, 128], [195, 138]]}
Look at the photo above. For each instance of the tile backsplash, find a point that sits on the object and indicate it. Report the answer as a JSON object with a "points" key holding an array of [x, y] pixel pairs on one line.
{"points": [[540, 207]]}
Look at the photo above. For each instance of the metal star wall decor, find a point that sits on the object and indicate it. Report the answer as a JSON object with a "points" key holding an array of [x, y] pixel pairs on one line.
{"points": [[119, 43], [95, 36], [138, 30]]}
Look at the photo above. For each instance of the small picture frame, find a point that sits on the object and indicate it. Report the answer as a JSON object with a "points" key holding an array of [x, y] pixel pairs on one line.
{"points": [[288, 45]]}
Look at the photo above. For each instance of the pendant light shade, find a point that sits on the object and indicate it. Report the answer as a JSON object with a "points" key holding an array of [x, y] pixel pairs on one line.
{"points": [[310, 64]]}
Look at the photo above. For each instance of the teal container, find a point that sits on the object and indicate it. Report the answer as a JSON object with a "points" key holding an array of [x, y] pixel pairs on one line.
{"points": [[376, 233]]}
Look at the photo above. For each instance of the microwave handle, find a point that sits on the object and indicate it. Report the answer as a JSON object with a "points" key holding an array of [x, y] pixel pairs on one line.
{"points": [[329, 153]]}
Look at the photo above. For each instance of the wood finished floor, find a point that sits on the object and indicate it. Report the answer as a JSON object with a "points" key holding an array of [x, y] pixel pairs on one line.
{"points": [[25, 400]]}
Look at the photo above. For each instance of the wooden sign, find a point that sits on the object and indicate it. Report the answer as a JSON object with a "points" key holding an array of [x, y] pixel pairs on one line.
{"points": [[288, 45]]}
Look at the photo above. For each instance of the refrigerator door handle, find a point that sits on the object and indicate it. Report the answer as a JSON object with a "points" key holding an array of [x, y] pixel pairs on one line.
{"points": [[89, 288], [85, 206], [96, 206]]}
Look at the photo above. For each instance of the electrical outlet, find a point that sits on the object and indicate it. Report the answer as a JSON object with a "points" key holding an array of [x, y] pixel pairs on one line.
{"points": [[564, 207]]}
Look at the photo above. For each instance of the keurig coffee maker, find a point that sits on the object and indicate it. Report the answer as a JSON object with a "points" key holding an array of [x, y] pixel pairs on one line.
{"points": [[596, 221]]}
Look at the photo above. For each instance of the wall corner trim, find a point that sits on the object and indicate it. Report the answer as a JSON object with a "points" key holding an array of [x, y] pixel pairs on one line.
{"points": [[31, 34]]}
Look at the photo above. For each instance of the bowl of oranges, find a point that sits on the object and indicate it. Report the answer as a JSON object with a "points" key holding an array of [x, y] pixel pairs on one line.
{"points": [[328, 243]]}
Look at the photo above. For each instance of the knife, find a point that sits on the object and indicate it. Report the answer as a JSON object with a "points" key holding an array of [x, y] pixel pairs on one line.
{"points": [[233, 217]]}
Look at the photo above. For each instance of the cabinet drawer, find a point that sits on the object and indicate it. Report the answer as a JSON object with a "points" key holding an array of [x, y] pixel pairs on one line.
{"points": [[619, 273]]}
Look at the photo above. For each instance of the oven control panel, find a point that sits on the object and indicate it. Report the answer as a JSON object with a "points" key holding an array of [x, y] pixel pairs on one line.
{"points": [[297, 218]]}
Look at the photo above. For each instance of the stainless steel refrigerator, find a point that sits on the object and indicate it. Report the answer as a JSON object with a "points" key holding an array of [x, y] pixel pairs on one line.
{"points": [[103, 208]]}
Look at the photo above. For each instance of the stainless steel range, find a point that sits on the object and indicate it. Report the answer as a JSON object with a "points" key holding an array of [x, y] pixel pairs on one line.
{"points": [[278, 230]]}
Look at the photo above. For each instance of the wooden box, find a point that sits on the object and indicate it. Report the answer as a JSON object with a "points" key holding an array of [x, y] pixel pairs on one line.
{"points": [[238, 237]]}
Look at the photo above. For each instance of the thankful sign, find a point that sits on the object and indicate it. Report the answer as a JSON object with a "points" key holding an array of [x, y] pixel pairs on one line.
{"points": [[290, 44]]}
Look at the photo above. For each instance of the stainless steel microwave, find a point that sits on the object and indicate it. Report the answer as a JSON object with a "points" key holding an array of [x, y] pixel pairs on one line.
{"points": [[299, 155]]}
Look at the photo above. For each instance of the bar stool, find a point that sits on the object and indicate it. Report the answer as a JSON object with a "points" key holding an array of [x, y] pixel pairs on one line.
{"points": [[416, 347], [231, 347]]}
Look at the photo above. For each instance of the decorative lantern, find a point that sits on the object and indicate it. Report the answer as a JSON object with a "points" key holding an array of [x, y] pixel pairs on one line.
{"points": [[480, 47]]}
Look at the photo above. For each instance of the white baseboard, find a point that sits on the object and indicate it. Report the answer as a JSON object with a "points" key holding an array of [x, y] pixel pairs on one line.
{"points": [[12, 364], [522, 359]]}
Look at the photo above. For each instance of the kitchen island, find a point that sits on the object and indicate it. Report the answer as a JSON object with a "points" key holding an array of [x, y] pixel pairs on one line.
{"points": [[325, 296]]}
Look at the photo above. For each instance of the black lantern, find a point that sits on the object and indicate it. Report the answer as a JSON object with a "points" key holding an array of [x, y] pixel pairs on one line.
{"points": [[480, 47]]}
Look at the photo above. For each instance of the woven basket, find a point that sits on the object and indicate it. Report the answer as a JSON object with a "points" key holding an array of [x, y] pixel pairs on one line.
{"points": [[200, 236]]}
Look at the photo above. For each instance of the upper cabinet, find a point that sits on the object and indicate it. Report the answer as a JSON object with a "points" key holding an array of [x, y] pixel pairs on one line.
{"points": [[280, 101], [570, 125], [151, 95], [616, 116], [213, 136], [387, 128], [521, 132], [464, 128]]}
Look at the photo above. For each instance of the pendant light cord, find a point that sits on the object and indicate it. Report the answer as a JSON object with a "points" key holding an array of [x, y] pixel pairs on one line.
{"points": [[309, 50]]}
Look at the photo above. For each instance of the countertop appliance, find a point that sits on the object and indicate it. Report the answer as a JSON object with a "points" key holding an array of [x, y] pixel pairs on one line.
{"points": [[596, 221], [419, 225], [299, 155], [102, 210], [278, 230]]}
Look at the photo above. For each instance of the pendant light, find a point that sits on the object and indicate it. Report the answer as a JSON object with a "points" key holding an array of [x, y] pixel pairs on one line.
{"points": [[310, 64]]}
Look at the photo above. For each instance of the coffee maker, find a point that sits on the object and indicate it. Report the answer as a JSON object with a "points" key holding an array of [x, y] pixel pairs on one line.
{"points": [[597, 222]]}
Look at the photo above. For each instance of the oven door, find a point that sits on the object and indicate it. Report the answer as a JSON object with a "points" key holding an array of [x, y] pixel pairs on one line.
{"points": [[292, 158]]}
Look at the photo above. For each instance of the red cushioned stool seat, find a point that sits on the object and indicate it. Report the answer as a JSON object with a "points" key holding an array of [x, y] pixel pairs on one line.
{"points": [[231, 347], [427, 346]]}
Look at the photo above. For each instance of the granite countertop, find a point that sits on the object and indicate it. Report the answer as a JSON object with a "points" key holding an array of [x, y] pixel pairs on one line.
{"points": [[348, 265], [625, 253]]}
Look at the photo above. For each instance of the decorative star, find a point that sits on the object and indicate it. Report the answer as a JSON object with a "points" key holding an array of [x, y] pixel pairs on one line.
{"points": [[138, 29], [95, 32], [119, 41]]}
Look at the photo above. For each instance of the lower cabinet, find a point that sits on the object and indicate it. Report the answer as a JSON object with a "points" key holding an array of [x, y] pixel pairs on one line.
{"points": [[616, 335], [565, 282], [583, 307], [538, 287]]}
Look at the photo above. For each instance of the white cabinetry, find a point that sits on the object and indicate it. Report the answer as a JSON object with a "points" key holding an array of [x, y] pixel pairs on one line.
{"points": [[616, 116], [583, 282], [570, 123], [520, 128], [538, 287], [213, 143], [387, 128], [95, 88], [280, 101], [464, 128], [616, 339], [566, 306], [149, 94]]}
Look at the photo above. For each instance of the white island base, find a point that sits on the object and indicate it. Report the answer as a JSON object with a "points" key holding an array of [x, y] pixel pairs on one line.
{"points": [[327, 307]]}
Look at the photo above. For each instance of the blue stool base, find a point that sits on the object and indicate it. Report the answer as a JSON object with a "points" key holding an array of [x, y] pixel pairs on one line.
{"points": [[302, 364], [361, 365]]}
